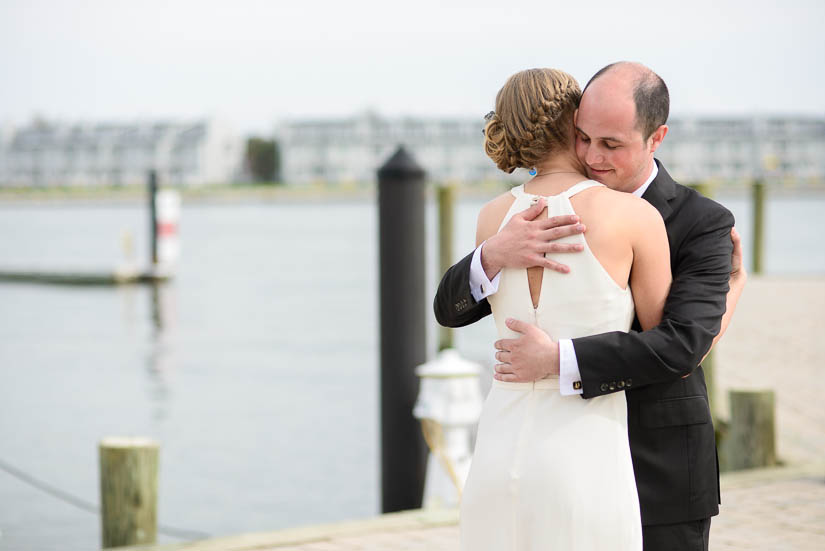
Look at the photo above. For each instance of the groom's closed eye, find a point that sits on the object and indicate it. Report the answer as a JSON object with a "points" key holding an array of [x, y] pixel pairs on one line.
{"points": [[608, 143]]}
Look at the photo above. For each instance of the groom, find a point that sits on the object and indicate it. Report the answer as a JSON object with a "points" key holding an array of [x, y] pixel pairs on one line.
{"points": [[619, 124]]}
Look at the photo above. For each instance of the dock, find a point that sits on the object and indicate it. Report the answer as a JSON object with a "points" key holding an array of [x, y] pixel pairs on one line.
{"points": [[73, 277], [762, 509]]}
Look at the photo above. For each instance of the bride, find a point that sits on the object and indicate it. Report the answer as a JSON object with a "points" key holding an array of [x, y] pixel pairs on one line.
{"points": [[552, 471]]}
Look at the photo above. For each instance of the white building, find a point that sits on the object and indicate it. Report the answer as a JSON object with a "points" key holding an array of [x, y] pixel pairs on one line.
{"points": [[184, 154], [743, 148], [730, 149], [351, 149]]}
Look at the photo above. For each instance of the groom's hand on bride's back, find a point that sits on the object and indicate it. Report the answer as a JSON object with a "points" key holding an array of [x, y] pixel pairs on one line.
{"points": [[526, 237]]}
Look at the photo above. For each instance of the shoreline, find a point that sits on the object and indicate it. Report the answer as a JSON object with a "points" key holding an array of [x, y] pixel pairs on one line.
{"points": [[235, 194]]}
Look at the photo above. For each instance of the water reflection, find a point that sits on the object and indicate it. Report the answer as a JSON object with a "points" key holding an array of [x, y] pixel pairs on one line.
{"points": [[161, 357]]}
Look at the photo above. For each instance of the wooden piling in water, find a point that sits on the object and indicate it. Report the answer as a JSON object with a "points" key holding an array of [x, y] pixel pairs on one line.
{"points": [[758, 238], [705, 188], [446, 208], [751, 437], [128, 491]]}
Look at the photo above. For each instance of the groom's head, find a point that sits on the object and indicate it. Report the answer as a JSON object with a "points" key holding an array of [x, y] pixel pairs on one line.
{"points": [[620, 124]]}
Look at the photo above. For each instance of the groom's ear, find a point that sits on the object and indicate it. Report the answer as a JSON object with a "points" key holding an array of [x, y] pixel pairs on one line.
{"points": [[575, 117], [655, 139]]}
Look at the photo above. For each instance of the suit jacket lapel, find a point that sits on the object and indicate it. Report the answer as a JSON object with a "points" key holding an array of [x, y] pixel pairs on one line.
{"points": [[661, 191]]}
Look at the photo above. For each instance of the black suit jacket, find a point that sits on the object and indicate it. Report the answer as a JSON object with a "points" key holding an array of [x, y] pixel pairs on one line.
{"points": [[670, 429]]}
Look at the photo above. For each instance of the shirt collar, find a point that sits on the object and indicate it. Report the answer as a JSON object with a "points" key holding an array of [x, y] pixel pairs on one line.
{"points": [[643, 188]]}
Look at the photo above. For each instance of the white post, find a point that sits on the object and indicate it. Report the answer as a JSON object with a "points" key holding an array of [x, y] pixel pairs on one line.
{"points": [[167, 205], [449, 405]]}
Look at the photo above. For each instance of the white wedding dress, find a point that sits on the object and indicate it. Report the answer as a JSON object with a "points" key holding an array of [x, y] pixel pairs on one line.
{"points": [[553, 472]]}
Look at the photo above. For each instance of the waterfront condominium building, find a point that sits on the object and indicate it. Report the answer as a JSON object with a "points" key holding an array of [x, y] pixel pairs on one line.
{"points": [[46, 154], [744, 148], [349, 150]]}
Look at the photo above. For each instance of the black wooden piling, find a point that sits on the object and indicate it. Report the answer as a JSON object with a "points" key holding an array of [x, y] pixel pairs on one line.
{"points": [[402, 263], [153, 217]]}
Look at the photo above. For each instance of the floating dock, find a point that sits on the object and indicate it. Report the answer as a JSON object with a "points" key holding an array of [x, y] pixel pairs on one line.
{"points": [[88, 278]]}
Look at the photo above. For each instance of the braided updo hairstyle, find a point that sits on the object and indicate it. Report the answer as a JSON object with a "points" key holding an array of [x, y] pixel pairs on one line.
{"points": [[533, 117]]}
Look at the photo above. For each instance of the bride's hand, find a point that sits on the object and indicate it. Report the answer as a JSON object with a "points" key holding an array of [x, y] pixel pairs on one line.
{"points": [[532, 356], [737, 266]]}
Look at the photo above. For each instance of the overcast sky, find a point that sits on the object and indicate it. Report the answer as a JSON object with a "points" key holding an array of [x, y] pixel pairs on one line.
{"points": [[255, 62]]}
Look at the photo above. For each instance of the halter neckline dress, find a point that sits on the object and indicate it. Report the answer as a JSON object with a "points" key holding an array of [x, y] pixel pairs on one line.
{"points": [[553, 472]]}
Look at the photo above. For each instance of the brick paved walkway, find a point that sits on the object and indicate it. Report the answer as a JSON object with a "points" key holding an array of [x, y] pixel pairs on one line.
{"points": [[780, 509], [772, 515], [761, 514]]}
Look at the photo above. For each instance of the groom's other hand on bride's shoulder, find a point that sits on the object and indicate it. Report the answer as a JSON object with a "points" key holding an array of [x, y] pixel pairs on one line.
{"points": [[524, 240], [528, 358]]}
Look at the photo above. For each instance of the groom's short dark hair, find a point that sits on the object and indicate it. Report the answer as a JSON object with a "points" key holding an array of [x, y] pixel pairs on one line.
{"points": [[649, 94]]}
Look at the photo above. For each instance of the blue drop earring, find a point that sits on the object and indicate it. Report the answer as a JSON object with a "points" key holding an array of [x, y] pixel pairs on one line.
{"points": [[533, 171]]}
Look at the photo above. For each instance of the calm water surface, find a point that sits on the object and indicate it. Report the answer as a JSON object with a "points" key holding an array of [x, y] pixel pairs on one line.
{"points": [[256, 368]]}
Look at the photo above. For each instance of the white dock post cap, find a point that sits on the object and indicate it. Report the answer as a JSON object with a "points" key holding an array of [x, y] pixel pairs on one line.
{"points": [[449, 391], [448, 363]]}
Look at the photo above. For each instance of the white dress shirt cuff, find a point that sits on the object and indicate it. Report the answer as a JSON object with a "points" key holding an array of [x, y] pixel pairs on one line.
{"points": [[570, 380], [480, 286]]}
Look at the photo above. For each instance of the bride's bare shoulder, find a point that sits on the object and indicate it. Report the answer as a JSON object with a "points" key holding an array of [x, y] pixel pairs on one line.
{"points": [[491, 215], [633, 209], [497, 206]]}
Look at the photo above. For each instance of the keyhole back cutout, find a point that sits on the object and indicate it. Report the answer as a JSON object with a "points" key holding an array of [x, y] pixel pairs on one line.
{"points": [[535, 274]]}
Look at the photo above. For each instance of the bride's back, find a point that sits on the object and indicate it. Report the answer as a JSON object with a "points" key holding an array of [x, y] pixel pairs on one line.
{"points": [[625, 241], [594, 297]]}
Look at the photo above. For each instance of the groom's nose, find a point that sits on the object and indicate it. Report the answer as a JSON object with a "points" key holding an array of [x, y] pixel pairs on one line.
{"points": [[593, 157]]}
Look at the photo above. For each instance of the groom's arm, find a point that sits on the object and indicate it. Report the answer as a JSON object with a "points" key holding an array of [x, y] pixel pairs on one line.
{"points": [[738, 278], [522, 242], [691, 318], [454, 304]]}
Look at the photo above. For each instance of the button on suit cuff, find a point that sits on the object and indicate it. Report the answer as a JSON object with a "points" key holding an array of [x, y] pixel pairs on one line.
{"points": [[570, 380], [480, 286]]}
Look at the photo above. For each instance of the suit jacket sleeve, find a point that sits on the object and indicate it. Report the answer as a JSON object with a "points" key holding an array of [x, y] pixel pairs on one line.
{"points": [[454, 304], [692, 316]]}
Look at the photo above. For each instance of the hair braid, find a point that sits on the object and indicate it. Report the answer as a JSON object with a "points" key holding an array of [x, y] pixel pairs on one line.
{"points": [[533, 117]]}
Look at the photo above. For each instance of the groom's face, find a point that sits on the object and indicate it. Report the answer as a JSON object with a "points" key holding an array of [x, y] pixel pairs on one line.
{"points": [[612, 148]]}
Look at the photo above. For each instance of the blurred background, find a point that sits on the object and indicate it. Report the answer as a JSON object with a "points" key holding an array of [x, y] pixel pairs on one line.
{"points": [[256, 365]]}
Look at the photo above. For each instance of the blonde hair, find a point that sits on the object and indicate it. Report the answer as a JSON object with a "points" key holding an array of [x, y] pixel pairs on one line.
{"points": [[533, 118]]}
